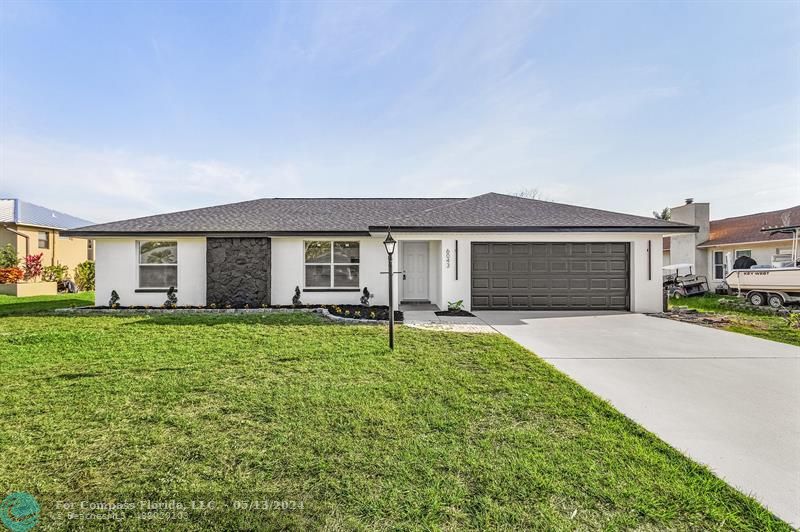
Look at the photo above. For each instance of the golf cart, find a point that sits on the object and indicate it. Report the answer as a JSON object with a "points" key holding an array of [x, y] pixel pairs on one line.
{"points": [[680, 281]]}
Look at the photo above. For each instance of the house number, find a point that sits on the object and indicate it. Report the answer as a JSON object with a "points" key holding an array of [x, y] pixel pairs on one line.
{"points": [[447, 258]]}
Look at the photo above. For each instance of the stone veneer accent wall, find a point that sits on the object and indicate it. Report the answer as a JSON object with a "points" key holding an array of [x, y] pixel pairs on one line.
{"points": [[238, 271]]}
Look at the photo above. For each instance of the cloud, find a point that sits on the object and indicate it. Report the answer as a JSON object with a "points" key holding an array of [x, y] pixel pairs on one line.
{"points": [[103, 185]]}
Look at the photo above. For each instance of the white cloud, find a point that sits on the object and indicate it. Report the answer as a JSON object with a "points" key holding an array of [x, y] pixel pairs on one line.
{"points": [[103, 185]]}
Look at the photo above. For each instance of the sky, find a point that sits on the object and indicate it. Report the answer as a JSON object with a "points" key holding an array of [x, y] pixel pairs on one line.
{"points": [[115, 110]]}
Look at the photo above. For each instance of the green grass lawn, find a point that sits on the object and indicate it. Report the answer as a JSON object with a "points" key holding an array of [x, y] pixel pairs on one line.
{"points": [[746, 322], [10, 305], [450, 431]]}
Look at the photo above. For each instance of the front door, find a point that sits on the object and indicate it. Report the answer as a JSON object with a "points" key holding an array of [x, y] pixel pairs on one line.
{"points": [[415, 268]]}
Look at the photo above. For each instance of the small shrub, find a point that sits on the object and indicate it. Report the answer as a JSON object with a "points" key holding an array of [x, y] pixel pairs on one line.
{"points": [[84, 276], [366, 297], [8, 257], [11, 275], [56, 273], [114, 298], [33, 267], [455, 306], [373, 315], [296, 297], [172, 298]]}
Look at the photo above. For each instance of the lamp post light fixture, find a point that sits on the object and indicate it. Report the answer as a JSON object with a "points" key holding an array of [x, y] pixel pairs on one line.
{"points": [[390, 243]]}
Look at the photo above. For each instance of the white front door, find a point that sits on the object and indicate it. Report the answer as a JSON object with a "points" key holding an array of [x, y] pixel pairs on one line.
{"points": [[415, 268]]}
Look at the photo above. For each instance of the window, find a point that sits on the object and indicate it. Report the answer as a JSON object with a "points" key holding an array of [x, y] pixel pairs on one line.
{"points": [[719, 265], [90, 249], [44, 240], [743, 253], [158, 264], [331, 264]]}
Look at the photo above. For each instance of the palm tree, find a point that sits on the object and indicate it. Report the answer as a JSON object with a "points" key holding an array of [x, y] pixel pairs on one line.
{"points": [[665, 214]]}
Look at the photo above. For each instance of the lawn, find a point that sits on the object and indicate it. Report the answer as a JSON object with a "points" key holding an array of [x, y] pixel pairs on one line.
{"points": [[743, 321], [318, 425], [10, 305]]}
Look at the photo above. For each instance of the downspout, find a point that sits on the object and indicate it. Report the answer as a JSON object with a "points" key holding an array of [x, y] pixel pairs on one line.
{"points": [[23, 235]]}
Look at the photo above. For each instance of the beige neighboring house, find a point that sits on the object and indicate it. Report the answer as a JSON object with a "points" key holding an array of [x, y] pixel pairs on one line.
{"points": [[718, 243], [33, 229]]}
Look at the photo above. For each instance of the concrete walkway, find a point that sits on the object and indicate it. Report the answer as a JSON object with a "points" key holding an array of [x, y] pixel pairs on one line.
{"points": [[727, 400], [427, 319]]}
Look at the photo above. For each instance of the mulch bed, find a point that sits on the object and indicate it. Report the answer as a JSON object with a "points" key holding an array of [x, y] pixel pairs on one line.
{"points": [[461, 313], [377, 312]]}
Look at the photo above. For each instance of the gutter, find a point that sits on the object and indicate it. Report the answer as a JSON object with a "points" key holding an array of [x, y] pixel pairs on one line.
{"points": [[23, 235], [538, 229]]}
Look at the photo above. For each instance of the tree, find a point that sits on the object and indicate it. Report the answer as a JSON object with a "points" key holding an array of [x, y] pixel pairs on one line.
{"points": [[665, 214], [528, 193]]}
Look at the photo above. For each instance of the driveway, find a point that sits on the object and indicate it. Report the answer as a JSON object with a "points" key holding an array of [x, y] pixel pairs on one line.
{"points": [[728, 400]]}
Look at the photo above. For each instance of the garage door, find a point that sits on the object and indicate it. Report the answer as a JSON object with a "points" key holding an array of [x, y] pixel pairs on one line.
{"points": [[550, 276]]}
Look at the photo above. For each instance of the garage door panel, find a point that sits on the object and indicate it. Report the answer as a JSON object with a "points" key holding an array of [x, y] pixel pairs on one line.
{"points": [[556, 275]]}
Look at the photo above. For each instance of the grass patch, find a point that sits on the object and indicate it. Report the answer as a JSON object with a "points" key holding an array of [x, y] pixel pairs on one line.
{"points": [[11, 305], [745, 321], [449, 431]]}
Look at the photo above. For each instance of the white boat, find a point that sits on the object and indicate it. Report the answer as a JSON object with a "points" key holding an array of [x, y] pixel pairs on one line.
{"points": [[774, 286], [765, 279]]}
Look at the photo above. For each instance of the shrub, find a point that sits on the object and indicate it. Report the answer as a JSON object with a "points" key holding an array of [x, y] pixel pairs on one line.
{"points": [[8, 257], [366, 297], [455, 306], [33, 267], [55, 273], [11, 275], [296, 297], [172, 299], [84, 276]]}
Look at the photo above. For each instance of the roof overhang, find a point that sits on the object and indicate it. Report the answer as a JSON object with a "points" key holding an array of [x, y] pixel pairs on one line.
{"points": [[747, 243], [209, 234], [535, 229]]}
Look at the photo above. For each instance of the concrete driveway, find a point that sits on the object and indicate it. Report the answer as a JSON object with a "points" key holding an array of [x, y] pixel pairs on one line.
{"points": [[727, 400]]}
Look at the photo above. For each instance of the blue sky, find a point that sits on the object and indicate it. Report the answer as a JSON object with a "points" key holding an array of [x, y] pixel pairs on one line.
{"points": [[113, 110]]}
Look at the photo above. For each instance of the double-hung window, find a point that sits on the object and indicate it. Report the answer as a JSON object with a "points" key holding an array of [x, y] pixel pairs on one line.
{"points": [[719, 265], [44, 240], [331, 264], [158, 263]]}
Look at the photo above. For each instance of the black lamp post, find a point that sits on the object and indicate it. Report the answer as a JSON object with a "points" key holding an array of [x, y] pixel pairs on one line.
{"points": [[390, 244]]}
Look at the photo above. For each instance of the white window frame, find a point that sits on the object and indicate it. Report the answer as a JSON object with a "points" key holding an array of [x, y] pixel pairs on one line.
{"points": [[736, 253], [46, 239], [714, 265], [139, 264], [332, 264]]}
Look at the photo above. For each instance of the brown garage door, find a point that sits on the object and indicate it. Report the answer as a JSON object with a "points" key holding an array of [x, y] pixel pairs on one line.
{"points": [[550, 276]]}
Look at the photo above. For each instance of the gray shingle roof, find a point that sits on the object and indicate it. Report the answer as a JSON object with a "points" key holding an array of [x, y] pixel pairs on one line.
{"points": [[495, 212], [503, 212]]}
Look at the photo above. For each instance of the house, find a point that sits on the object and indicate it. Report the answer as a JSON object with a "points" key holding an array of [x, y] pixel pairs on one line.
{"points": [[32, 229], [492, 251], [718, 243]]}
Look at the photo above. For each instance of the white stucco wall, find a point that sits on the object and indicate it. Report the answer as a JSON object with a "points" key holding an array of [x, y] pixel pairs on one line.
{"points": [[761, 252], [288, 270], [116, 268], [646, 294]]}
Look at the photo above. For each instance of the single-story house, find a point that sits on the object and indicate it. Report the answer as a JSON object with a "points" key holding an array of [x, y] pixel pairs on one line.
{"points": [[718, 243], [492, 251], [32, 229]]}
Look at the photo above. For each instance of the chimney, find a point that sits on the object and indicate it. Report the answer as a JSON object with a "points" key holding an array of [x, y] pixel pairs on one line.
{"points": [[683, 248]]}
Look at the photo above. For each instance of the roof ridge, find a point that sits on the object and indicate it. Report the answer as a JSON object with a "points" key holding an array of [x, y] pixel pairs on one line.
{"points": [[776, 211]]}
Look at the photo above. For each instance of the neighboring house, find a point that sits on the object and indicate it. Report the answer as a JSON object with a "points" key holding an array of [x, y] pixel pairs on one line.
{"points": [[32, 229], [492, 251], [718, 243]]}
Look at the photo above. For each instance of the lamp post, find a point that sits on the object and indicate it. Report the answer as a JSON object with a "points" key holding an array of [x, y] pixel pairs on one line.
{"points": [[390, 244]]}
